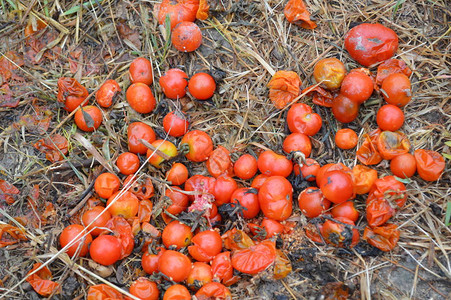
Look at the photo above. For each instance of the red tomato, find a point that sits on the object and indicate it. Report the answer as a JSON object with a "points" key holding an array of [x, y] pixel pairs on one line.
{"points": [[248, 199], [430, 164], [302, 119], [144, 289], [176, 234], [389, 117], [200, 183], [105, 250], [223, 189], [213, 290], [106, 184], [254, 259], [179, 201], [177, 11], [81, 246], [329, 71], [403, 166], [137, 131], [357, 86], [221, 267], [141, 71], [364, 178], [71, 93], [312, 202], [207, 244], [175, 123], [200, 145], [140, 97], [297, 142], [107, 92], [369, 44], [88, 118], [275, 198], [396, 89], [391, 144], [102, 219], [128, 163], [175, 265], [164, 146], [344, 109], [337, 186], [219, 162], [258, 181], [177, 292], [245, 167], [178, 174], [331, 167], [186, 37], [174, 83], [345, 210], [126, 205], [202, 86], [272, 227], [309, 169], [346, 139], [199, 275], [273, 164], [339, 234], [149, 262]]}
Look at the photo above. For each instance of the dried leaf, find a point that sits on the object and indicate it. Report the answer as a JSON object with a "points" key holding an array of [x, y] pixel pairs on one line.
{"points": [[93, 151], [6, 97], [129, 35], [284, 87], [8, 62], [202, 11], [296, 12], [52, 146]]}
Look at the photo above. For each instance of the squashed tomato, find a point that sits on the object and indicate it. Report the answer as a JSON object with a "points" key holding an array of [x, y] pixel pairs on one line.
{"points": [[312, 202], [340, 233], [254, 259], [106, 184], [41, 281], [221, 267], [219, 162], [284, 87], [296, 12], [297, 142], [177, 292], [107, 92], [275, 198], [391, 66], [235, 239], [364, 178], [384, 237], [71, 93], [273, 164], [201, 184], [301, 118], [430, 164], [177, 11], [199, 145], [179, 201], [122, 230], [320, 96], [391, 144], [144, 289], [103, 291], [368, 153], [213, 290], [330, 72]]}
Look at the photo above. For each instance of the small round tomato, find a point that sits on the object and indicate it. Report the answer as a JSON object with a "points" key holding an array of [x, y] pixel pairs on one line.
{"points": [[213, 290], [178, 174], [396, 89], [176, 234], [144, 289], [105, 250], [141, 71], [430, 164], [302, 119], [128, 163], [81, 246], [344, 109], [166, 147], [330, 72], [331, 167], [177, 292], [248, 199], [346, 139], [175, 123], [106, 184], [177, 11], [200, 145], [202, 86], [88, 118], [403, 166], [339, 234], [259, 180], [126, 205], [174, 83], [272, 227], [345, 210], [199, 275], [179, 200], [207, 244], [357, 86], [137, 131], [107, 92], [364, 178], [337, 186], [389, 117], [275, 198], [369, 44], [186, 37], [297, 142], [309, 169], [175, 265], [140, 97], [102, 218], [71, 93], [223, 189], [391, 144], [273, 164], [254, 259], [149, 262], [245, 167], [312, 202], [219, 162]]}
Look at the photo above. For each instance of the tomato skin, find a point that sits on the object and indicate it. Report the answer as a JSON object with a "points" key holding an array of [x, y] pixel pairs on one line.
{"points": [[272, 227], [384, 237], [106, 184], [71, 93], [178, 174], [312, 202], [430, 164], [164, 146], [83, 123], [177, 292], [221, 267], [391, 66], [368, 153], [245, 167], [371, 43], [254, 259], [403, 166], [391, 144], [258, 181], [68, 234], [176, 234], [144, 289], [179, 200], [344, 109], [397, 90], [338, 234], [345, 210], [309, 169], [175, 265], [141, 71], [337, 186], [330, 71], [224, 187], [127, 205], [247, 197], [275, 198], [207, 244], [213, 290], [389, 117], [90, 215], [302, 119], [388, 188], [177, 11], [175, 124], [273, 164], [200, 145], [186, 37], [364, 178], [219, 162], [107, 92], [128, 163], [137, 131], [357, 86], [297, 142], [199, 275], [174, 83], [346, 139], [140, 98], [202, 86], [105, 250]]}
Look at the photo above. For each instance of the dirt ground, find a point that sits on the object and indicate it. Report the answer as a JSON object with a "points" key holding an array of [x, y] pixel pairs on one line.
{"points": [[244, 42]]}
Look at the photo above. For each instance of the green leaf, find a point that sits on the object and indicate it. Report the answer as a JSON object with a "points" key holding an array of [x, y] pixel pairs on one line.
{"points": [[448, 143], [403, 180], [448, 214], [76, 8], [447, 156], [397, 6]]}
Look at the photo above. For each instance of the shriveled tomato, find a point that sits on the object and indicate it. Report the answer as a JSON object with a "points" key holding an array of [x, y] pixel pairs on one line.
{"points": [[149, 261], [80, 247], [309, 169], [312, 202], [175, 265], [337, 186], [141, 71], [391, 66], [101, 217], [302, 119], [202, 12], [202, 86], [142, 188], [248, 199], [340, 233], [344, 109], [145, 210], [186, 37], [200, 145], [364, 178], [177, 234], [384, 237], [345, 210], [106, 184], [320, 96], [273, 164], [103, 291], [124, 204], [254, 259], [346, 139], [297, 142], [213, 290], [330, 72], [140, 97], [272, 227], [41, 281], [128, 163], [107, 92], [144, 289], [296, 12], [403, 166], [174, 83], [396, 89], [178, 174], [259, 180], [175, 123], [88, 118], [164, 146], [137, 131], [122, 230], [223, 189], [282, 265], [219, 162], [221, 267], [199, 275], [235, 239], [177, 11], [284, 87], [105, 250], [430, 164], [389, 117], [207, 244], [245, 167], [177, 292], [369, 44], [368, 153], [391, 144], [357, 86], [71, 93], [275, 198]]}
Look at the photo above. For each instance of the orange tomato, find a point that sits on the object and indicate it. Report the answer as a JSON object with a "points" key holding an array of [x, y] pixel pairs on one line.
{"points": [[88, 118], [396, 89], [346, 139], [126, 205], [430, 164], [107, 92], [106, 184], [329, 71], [140, 97], [186, 37], [141, 71], [128, 163]]}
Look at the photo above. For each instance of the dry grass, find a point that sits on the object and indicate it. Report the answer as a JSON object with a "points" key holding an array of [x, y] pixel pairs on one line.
{"points": [[245, 42]]}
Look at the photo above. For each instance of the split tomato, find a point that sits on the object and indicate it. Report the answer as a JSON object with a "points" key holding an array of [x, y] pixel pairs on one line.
{"points": [[302, 119], [219, 162], [384, 237], [254, 259], [199, 145], [71, 93]]}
